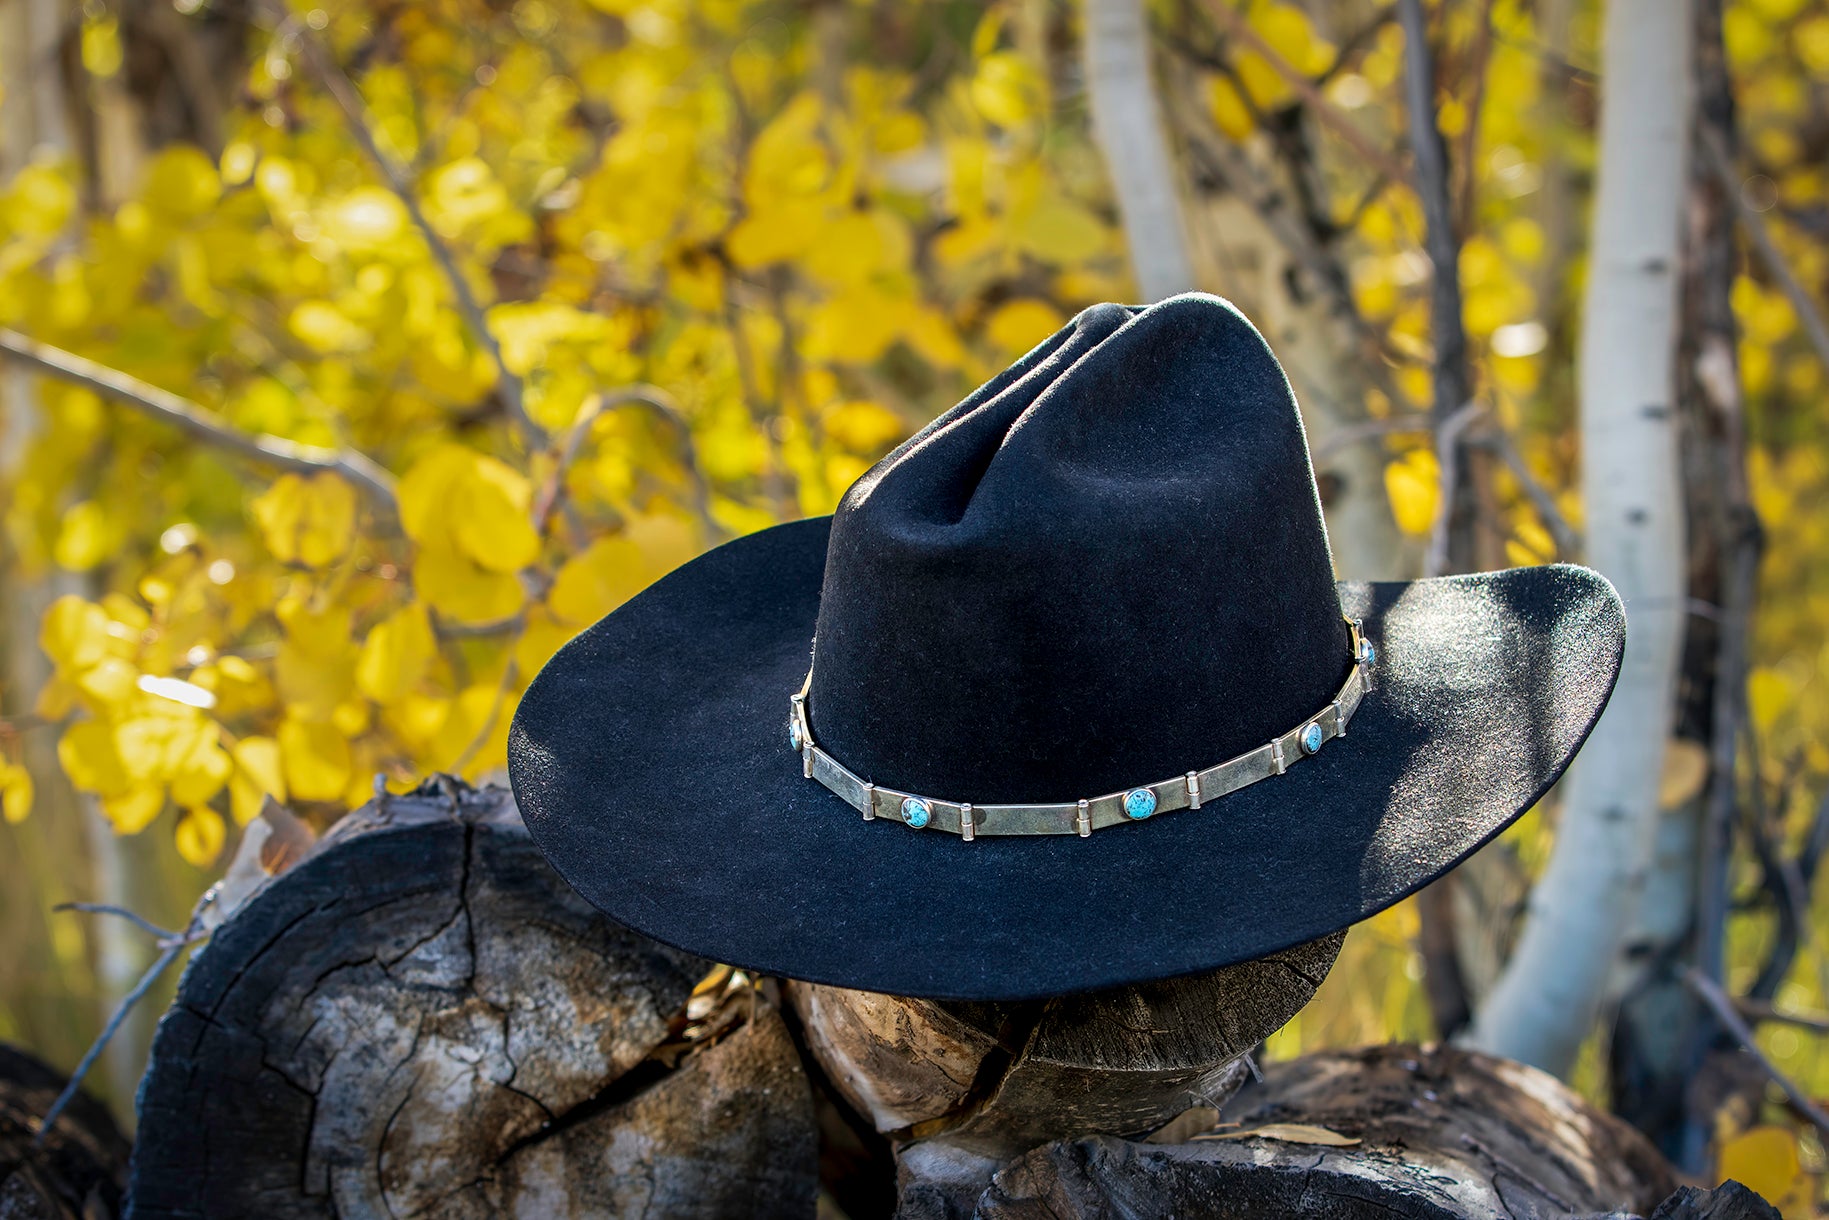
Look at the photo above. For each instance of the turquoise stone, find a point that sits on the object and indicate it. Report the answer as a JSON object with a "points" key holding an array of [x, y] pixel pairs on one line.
{"points": [[1367, 653], [793, 733], [1311, 739], [1139, 803], [915, 811]]}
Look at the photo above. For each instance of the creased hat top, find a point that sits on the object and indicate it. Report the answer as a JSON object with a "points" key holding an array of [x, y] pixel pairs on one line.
{"points": [[1108, 563]]}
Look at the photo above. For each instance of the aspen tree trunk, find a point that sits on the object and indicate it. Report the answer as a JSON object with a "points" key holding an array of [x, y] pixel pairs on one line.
{"points": [[1128, 126], [35, 120], [1547, 999]]}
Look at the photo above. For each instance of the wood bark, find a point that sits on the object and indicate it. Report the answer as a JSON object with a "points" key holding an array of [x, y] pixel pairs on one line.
{"points": [[421, 1018], [960, 1088], [1441, 1133], [77, 1172], [1546, 1001]]}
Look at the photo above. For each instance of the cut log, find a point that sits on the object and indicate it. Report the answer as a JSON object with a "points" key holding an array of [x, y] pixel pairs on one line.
{"points": [[421, 1018], [962, 1087], [77, 1172], [1438, 1134]]}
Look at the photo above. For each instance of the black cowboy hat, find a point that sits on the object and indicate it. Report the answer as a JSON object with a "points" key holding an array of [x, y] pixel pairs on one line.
{"points": [[1096, 592]]}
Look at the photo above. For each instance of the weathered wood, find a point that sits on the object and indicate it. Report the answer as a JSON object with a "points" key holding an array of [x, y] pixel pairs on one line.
{"points": [[77, 1172], [421, 1018], [997, 1079], [1728, 1201], [1442, 1135]]}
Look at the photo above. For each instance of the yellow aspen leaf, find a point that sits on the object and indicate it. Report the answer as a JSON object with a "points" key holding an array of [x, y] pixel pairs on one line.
{"points": [[855, 328], [778, 233], [611, 570], [316, 759], [1769, 695], [863, 426], [101, 45], [325, 329], [134, 810], [462, 591], [1059, 230], [75, 633], [109, 682], [934, 338], [1263, 83], [597, 580], [259, 773], [86, 537], [1019, 325], [307, 520], [425, 491], [1007, 89], [182, 182], [1684, 772], [202, 768], [1413, 483], [1765, 1159], [396, 654], [15, 792], [200, 835], [90, 758], [489, 517]]}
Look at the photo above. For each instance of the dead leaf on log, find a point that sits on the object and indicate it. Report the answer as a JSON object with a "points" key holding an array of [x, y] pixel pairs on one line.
{"points": [[1289, 1133]]}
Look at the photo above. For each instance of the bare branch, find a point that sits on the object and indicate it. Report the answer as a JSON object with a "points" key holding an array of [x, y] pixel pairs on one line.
{"points": [[1567, 538], [1453, 549], [1769, 253], [1764, 1010], [1237, 25], [1449, 454], [171, 944], [661, 405], [104, 908], [343, 92], [1710, 993], [357, 469], [1370, 430]]}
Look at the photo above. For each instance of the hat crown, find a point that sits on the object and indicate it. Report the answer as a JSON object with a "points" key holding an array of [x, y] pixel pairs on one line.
{"points": [[1105, 567]]}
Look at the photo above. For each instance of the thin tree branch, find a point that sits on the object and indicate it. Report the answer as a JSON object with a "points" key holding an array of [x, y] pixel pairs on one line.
{"points": [[1710, 993], [1764, 1010], [170, 946], [1769, 253], [343, 92], [357, 469], [1452, 550], [1370, 430], [1240, 28], [1449, 454], [104, 908], [661, 405], [1499, 441]]}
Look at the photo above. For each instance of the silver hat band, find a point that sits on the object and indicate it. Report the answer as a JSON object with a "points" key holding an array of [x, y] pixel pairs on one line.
{"points": [[1188, 791]]}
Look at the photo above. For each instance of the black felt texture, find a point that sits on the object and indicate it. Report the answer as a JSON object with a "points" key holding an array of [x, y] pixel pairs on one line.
{"points": [[1106, 567]]}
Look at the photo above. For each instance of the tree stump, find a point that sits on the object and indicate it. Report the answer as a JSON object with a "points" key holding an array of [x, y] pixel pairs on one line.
{"points": [[1437, 1134], [421, 1018], [78, 1171], [962, 1087]]}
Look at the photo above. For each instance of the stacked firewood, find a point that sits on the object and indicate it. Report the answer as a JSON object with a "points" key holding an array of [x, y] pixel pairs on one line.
{"points": [[415, 1016]]}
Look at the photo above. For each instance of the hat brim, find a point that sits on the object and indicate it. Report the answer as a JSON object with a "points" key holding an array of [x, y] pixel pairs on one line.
{"points": [[651, 763]]}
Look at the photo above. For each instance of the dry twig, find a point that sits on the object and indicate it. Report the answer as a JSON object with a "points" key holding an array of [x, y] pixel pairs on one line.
{"points": [[170, 944], [1718, 1002], [343, 92], [360, 471]]}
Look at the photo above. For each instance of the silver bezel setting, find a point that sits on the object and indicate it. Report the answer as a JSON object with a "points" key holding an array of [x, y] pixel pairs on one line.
{"points": [[1190, 790]]}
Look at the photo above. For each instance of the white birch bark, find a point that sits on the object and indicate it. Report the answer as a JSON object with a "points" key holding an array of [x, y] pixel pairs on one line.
{"points": [[1127, 123], [1547, 999]]}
